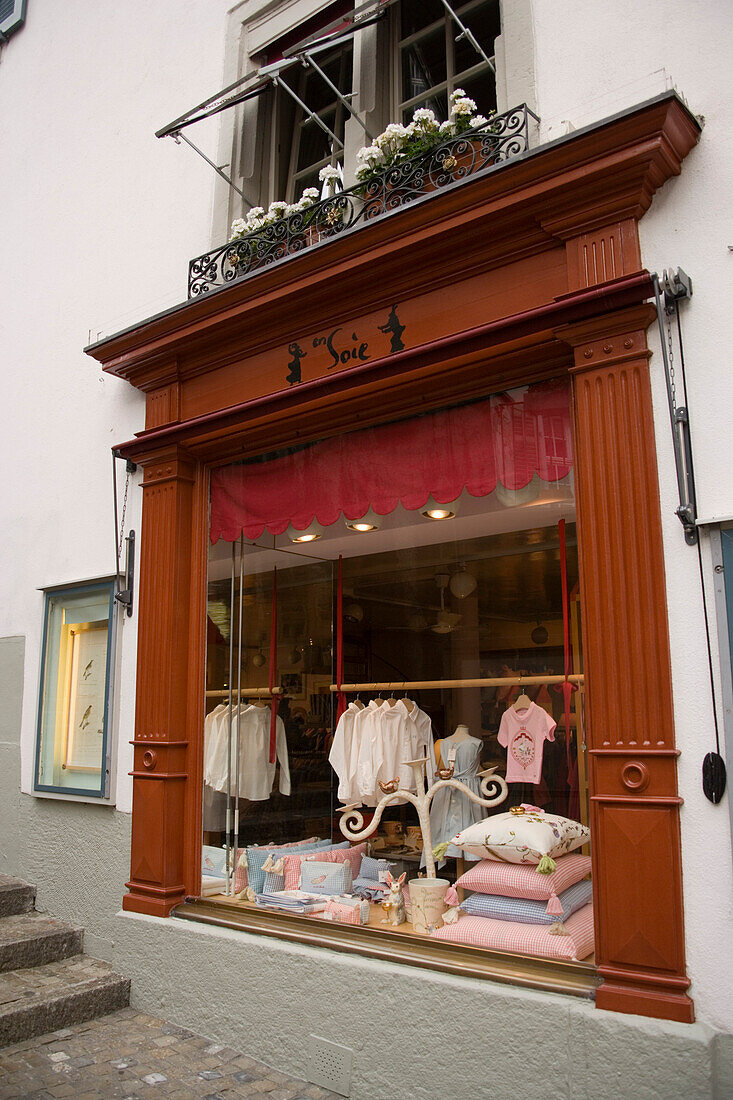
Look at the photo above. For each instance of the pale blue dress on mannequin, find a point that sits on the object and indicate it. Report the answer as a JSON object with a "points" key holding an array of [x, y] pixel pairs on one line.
{"points": [[451, 811]]}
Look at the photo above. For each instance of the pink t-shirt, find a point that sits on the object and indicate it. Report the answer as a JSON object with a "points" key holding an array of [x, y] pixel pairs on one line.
{"points": [[523, 734]]}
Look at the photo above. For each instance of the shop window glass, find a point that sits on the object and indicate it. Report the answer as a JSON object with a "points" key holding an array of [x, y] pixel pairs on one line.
{"points": [[438, 553], [72, 754]]}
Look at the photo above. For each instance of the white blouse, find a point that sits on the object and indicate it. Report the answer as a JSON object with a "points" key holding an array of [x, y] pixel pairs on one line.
{"points": [[256, 773], [344, 753], [373, 746]]}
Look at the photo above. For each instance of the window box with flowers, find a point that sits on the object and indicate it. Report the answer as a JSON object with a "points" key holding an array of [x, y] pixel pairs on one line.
{"points": [[402, 164]]}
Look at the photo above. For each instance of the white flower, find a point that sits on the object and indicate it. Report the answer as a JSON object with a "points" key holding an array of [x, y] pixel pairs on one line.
{"points": [[239, 228], [464, 106], [446, 129], [393, 137], [478, 120], [328, 172], [311, 194], [458, 94], [292, 208], [255, 214], [277, 208], [424, 119]]}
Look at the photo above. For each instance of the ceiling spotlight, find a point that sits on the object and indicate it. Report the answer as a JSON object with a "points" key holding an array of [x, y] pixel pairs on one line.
{"points": [[259, 658], [368, 522], [463, 583], [539, 634], [433, 510], [312, 532]]}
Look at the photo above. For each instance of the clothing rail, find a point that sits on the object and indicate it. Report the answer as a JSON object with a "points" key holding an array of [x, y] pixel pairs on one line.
{"points": [[245, 693], [429, 685]]}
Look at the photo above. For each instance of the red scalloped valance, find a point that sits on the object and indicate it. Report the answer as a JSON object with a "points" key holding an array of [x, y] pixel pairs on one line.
{"points": [[508, 437]]}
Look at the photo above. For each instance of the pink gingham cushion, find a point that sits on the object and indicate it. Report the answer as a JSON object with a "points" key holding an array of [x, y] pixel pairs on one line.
{"points": [[515, 880], [525, 939], [292, 863]]}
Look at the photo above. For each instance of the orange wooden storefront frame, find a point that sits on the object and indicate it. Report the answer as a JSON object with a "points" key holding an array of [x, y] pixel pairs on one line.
{"points": [[527, 272]]}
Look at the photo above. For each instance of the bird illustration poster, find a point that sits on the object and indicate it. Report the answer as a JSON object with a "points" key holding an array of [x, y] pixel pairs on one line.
{"points": [[88, 677]]}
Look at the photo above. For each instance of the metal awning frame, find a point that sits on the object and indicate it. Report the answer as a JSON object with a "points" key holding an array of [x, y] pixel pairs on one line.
{"points": [[254, 84]]}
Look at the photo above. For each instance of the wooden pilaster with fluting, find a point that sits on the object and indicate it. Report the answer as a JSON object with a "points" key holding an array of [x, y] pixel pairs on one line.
{"points": [[161, 745], [630, 728]]}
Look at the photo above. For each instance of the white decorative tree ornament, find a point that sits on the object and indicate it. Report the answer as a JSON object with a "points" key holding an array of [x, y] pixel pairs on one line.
{"points": [[493, 787]]}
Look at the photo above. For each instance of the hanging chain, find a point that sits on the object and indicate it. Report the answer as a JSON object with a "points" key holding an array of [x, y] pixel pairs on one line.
{"points": [[124, 510], [670, 353]]}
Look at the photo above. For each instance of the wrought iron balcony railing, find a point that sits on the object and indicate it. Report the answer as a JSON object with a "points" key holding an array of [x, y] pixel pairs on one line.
{"points": [[453, 160]]}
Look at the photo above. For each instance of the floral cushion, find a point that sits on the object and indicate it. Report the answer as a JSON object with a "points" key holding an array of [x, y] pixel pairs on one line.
{"points": [[531, 837], [515, 881], [341, 853], [575, 941], [501, 907]]}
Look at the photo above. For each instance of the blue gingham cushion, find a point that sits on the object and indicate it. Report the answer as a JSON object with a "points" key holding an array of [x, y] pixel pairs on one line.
{"points": [[371, 868], [325, 878], [528, 912], [273, 882], [257, 857]]}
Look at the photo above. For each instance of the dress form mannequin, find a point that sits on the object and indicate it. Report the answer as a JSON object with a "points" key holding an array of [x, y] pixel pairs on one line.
{"points": [[450, 810]]}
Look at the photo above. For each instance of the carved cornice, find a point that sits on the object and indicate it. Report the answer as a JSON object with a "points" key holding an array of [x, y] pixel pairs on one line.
{"points": [[606, 172]]}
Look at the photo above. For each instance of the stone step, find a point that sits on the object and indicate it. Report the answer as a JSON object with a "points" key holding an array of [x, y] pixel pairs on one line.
{"points": [[31, 939], [54, 995], [15, 896]]}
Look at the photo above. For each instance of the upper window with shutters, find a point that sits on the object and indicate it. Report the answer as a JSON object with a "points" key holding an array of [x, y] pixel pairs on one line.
{"points": [[433, 55], [12, 17], [356, 69]]}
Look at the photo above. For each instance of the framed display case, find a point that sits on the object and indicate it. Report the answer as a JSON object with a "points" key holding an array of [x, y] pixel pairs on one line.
{"points": [[77, 660]]}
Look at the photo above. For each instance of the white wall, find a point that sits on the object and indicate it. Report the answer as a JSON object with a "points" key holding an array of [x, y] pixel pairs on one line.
{"points": [[593, 59], [99, 220]]}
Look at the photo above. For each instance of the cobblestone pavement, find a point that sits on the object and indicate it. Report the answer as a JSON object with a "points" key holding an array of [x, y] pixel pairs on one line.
{"points": [[130, 1054]]}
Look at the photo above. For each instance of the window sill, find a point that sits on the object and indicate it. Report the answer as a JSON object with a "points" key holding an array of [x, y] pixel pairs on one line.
{"points": [[575, 978]]}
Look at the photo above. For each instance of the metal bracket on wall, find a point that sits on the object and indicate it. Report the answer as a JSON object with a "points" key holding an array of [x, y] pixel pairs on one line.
{"points": [[669, 291], [124, 595]]}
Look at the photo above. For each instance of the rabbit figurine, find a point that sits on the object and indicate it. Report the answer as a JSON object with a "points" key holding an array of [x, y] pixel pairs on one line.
{"points": [[394, 906]]}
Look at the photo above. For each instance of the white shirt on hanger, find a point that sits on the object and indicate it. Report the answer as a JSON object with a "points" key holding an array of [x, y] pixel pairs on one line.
{"points": [[406, 735], [256, 773], [340, 756]]}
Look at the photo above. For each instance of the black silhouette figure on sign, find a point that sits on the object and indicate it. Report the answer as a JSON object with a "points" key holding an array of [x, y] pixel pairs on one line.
{"points": [[297, 353], [393, 325]]}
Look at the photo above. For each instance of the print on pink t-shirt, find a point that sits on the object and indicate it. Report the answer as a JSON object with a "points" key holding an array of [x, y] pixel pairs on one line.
{"points": [[523, 734]]}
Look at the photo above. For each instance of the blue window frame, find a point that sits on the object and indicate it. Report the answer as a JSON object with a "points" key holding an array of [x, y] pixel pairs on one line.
{"points": [[74, 707]]}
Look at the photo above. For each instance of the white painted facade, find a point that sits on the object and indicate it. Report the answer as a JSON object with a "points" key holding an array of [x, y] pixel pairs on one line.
{"points": [[100, 220]]}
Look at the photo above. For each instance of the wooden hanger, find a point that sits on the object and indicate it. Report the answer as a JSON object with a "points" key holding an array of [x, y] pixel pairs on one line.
{"points": [[523, 701]]}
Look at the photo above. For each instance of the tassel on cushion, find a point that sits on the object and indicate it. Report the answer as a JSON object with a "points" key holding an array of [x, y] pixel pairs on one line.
{"points": [[546, 865], [451, 896], [276, 866], [554, 907], [558, 929], [440, 849]]}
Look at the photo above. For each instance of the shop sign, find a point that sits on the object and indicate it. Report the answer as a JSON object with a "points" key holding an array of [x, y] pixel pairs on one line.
{"points": [[343, 348]]}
